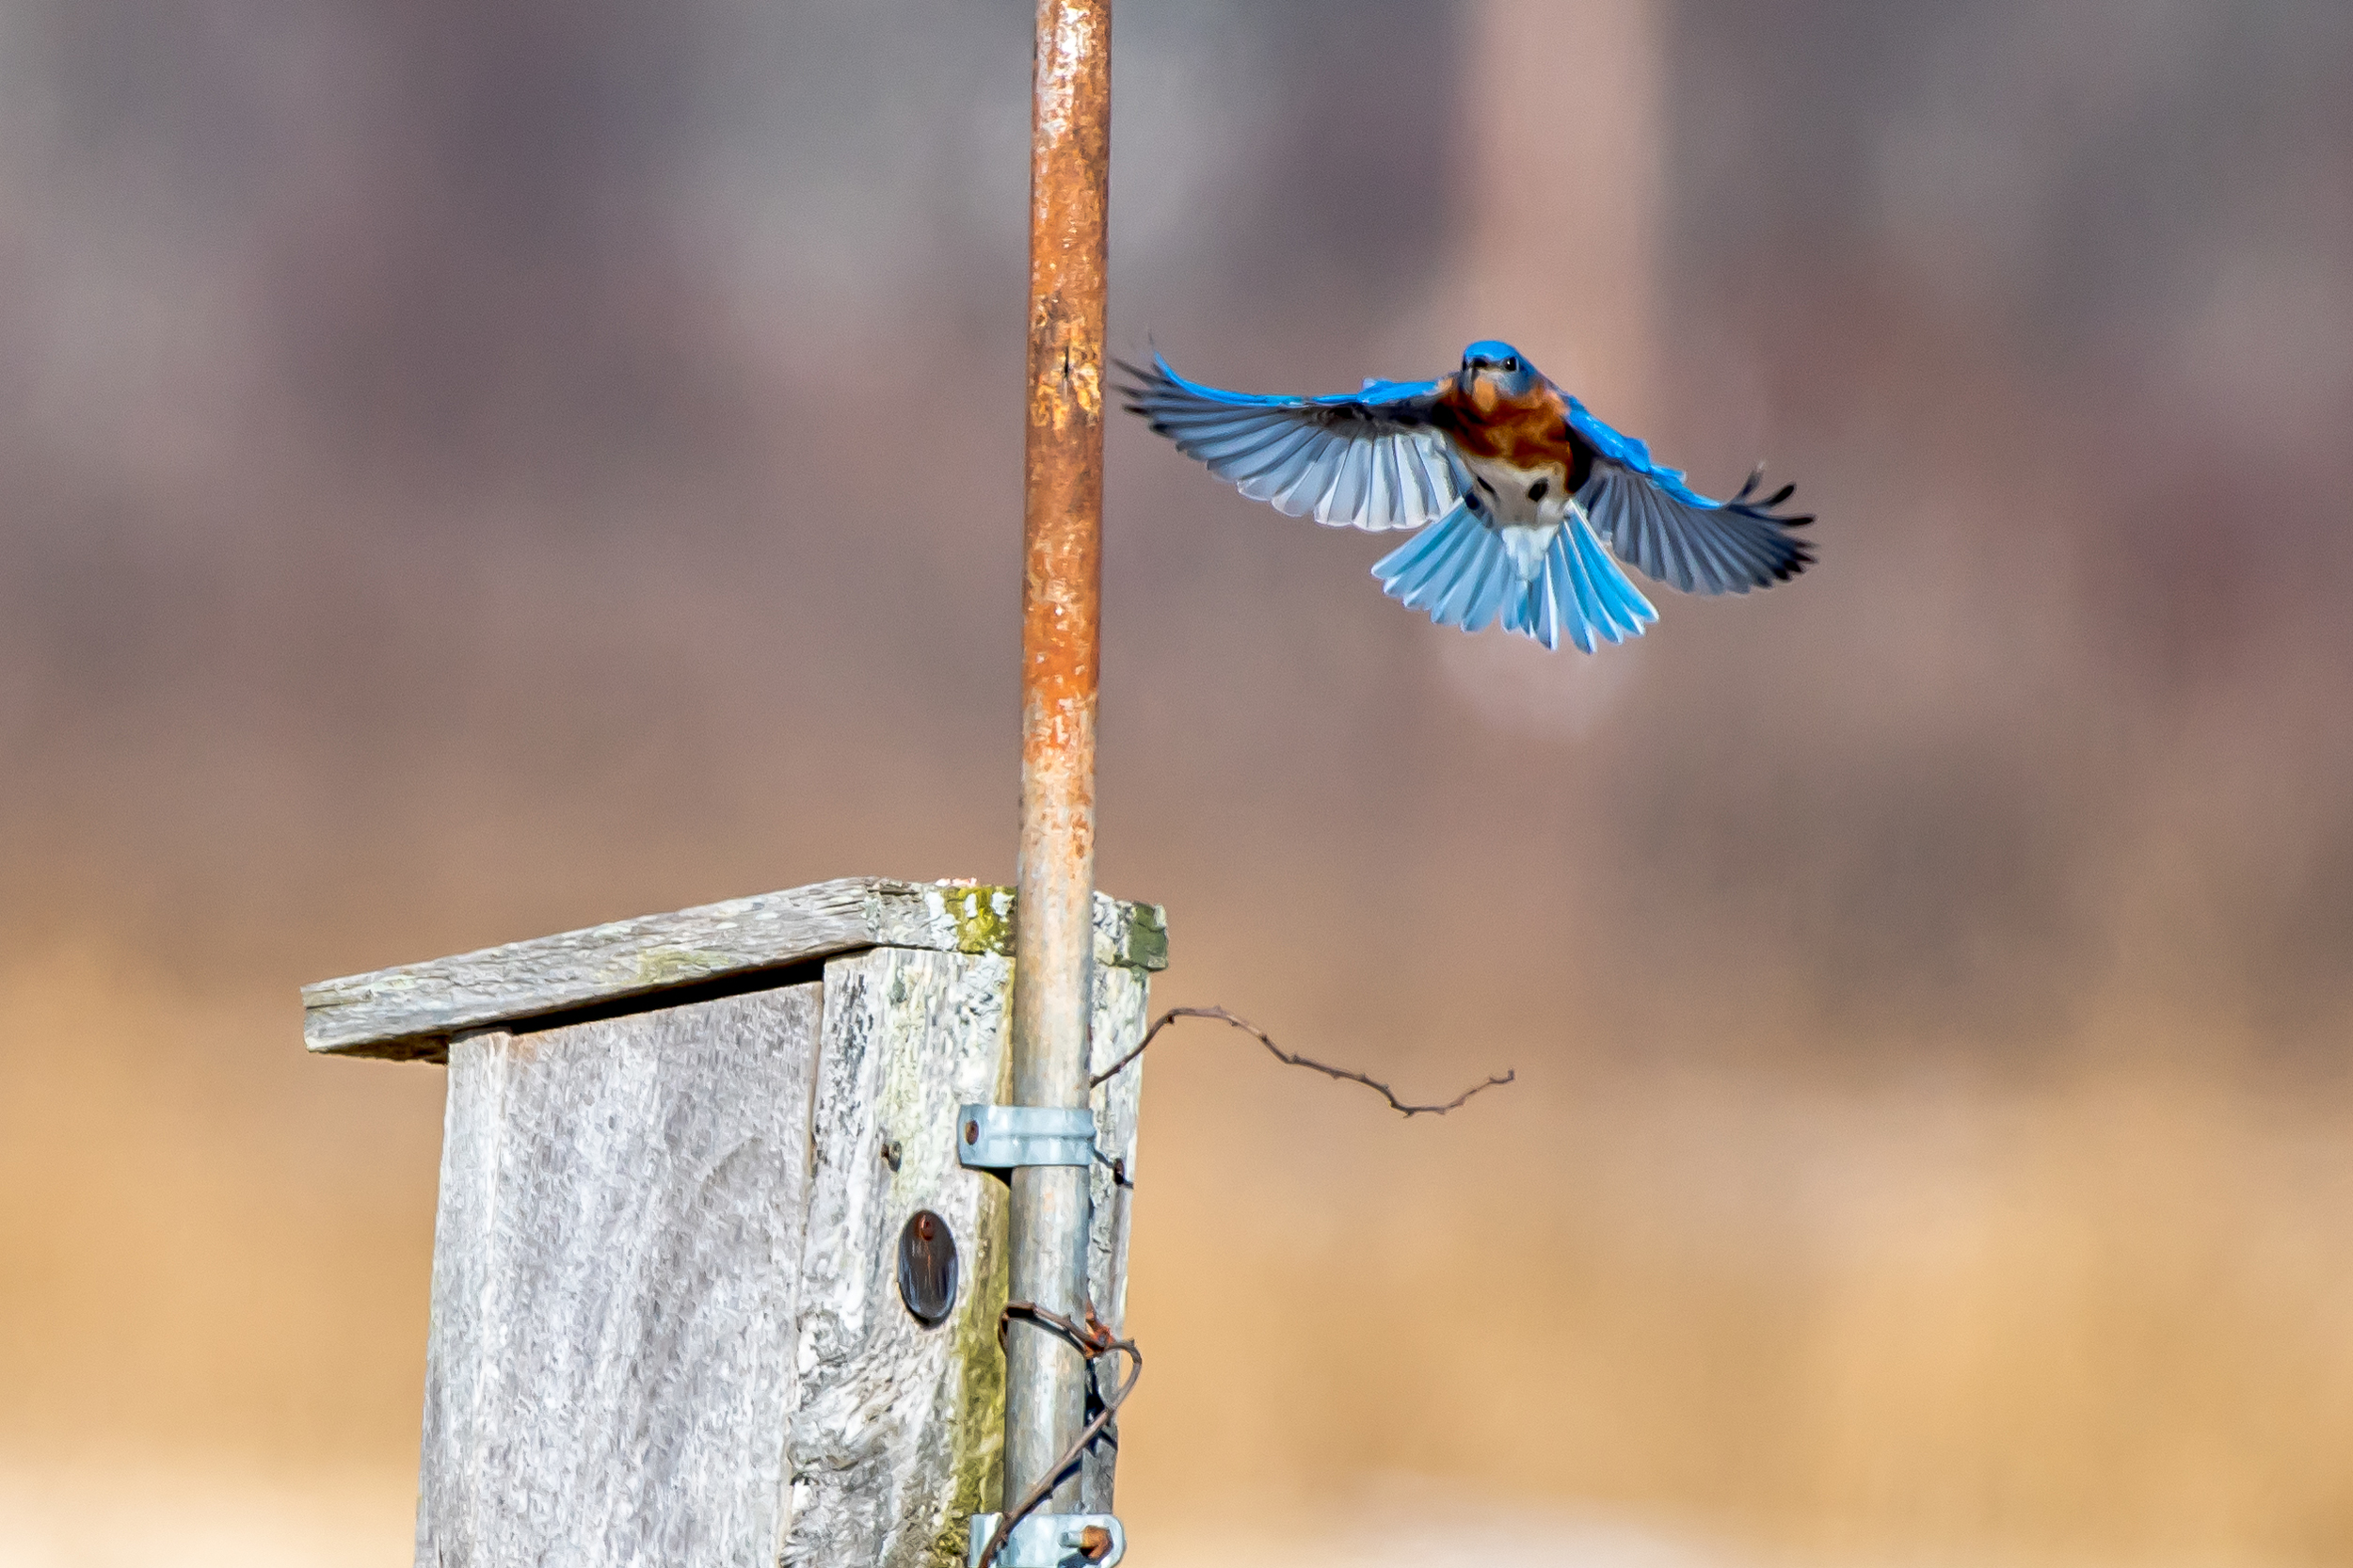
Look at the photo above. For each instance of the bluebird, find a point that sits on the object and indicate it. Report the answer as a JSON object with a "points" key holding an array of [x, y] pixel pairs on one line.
{"points": [[1509, 481]]}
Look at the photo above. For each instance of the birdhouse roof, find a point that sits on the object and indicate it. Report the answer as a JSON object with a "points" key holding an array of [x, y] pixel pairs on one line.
{"points": [[744, 944]]}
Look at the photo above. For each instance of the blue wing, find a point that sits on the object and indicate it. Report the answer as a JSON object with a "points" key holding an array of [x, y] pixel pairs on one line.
{"points": [[1367, 459], [1652, 519]]}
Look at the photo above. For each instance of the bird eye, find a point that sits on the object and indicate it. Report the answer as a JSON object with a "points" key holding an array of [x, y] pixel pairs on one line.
{"points": [[1510, 366]]}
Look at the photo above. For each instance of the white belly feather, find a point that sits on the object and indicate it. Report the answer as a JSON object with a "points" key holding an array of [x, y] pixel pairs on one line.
{"points": [[1525, 507]]}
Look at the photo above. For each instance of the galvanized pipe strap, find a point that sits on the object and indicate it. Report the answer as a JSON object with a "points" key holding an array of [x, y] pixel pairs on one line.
{"points": [[1004, 1137], [1051, 1541]]}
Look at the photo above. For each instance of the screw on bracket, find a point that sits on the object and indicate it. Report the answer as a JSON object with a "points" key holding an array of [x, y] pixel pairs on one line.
{"points": [[1002, 1137]]}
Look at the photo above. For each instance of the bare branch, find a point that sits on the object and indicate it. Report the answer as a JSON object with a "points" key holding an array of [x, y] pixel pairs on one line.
{"points": [[1287, 1059]]}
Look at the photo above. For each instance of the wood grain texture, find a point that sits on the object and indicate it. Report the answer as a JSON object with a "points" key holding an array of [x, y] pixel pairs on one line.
{"points": [[897, 1437], [615, 1288], [1121, 1002], [898, 1434], [410, 1012]]}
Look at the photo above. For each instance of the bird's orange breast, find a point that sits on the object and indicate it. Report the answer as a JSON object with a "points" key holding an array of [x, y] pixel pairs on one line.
{"points": [[1530, 432]]}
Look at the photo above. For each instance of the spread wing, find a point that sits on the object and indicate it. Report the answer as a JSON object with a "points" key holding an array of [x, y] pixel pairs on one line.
{"points": [[1657, 522], [1367, 459]]}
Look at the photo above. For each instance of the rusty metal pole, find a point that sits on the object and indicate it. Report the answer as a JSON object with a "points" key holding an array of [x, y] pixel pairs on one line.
{"points": [[1060, 590]]}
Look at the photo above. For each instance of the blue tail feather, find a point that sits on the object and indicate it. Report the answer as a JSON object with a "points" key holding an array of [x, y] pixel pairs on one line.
{"points": [[1406, 564], [1454, 603], [1428, 583], [1523, 610], [1596, 622], [1406, 571], [1453, 546], [1572, 595], [1499, 584], [1457, 571], [1622, 605]]}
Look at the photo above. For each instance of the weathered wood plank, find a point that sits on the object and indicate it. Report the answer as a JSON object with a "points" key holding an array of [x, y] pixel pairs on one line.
{"points": [[898, 1433], [899, 1436], [412, 1011], [615, 1287], [1121, 1001]]}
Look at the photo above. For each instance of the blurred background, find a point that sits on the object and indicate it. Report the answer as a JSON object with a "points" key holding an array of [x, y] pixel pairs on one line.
{"points": [[473, 471]]}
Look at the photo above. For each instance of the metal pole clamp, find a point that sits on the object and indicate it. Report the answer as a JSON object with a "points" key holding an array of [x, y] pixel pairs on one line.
{"points": [[1001, 1137], [1051, 1541]]}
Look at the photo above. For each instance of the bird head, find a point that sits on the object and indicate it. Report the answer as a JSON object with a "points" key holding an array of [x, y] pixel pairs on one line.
{"points": [[1496, 369]]}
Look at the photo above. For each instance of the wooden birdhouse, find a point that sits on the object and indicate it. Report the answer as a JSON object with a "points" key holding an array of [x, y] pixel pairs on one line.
{"points": [[710, 1283]]}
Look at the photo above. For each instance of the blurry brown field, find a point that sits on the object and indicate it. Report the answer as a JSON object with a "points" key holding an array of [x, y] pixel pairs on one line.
{"points": [[444, 506], [2099, 1319]]}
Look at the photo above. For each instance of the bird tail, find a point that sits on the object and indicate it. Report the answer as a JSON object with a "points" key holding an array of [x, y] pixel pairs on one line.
{"points": [[1459, 574]]}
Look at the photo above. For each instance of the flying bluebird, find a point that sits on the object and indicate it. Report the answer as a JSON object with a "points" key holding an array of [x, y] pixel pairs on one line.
{"points": [[1507, 477]]}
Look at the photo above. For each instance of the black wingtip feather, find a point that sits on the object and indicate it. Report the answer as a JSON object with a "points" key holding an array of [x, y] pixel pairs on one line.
{"points": [[1141, 384]]}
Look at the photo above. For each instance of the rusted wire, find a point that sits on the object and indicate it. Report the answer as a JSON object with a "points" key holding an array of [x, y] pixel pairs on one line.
{"points": [[1292, 1060], [1093, 1340]]}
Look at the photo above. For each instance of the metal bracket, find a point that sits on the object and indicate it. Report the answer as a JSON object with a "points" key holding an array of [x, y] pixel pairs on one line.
{"points": [[1000, 1137], [1051, 1541]]}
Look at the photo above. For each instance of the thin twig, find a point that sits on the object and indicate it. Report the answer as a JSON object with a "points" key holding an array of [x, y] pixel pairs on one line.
{"points": [[1289, 1059]]}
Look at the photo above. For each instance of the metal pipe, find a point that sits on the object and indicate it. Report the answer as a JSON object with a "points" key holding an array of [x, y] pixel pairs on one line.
{"points": [[1061, 591]]}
